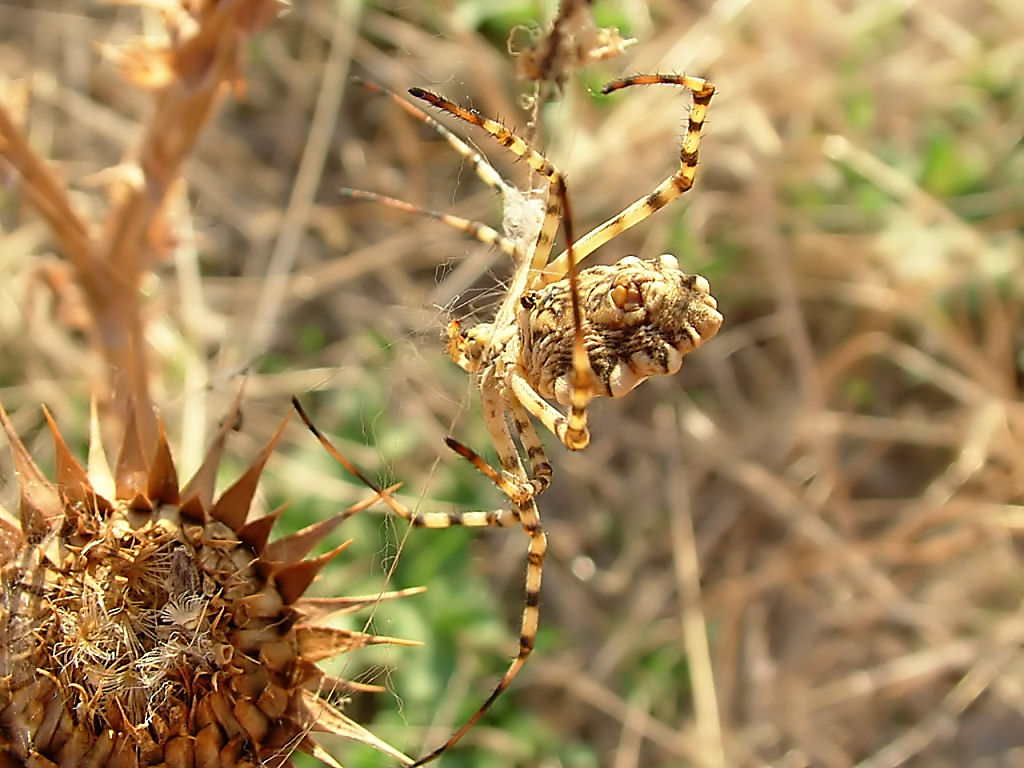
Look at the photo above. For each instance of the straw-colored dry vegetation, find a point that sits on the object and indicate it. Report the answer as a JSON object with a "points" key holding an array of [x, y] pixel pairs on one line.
{"points": [[804, 549]]}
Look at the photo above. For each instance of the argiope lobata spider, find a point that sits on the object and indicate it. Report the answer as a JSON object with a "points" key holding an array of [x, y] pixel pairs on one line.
{"points": [[561, 333]]}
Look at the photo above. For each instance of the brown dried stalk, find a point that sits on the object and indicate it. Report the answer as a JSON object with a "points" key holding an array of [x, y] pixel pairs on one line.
{"points": [[189, 76]]}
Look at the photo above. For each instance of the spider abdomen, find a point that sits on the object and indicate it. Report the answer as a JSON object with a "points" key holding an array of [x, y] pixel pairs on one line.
{"points": [[640, 318]]}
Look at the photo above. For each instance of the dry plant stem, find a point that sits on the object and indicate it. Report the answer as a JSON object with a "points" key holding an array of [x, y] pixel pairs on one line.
{"points": [[111, 295], [192, 76], [307, 179], [694, 625], [984, 673], [45, 191], [627, 753], [578, 683]]}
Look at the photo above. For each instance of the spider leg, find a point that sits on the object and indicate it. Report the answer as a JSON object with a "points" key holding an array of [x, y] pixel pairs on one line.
{"points": [[570, 428], [540, 468], [519, 211], [529, 516], [513, 480], [554, 421], [525, 512], [670, 189], [519, 147], [576, 436], [459, 343], [483, 169], [517, 492], [475, 229], [499, 518]]}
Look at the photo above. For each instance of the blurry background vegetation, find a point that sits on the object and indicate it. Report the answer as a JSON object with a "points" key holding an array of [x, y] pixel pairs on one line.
{"points": [[844, 464]]}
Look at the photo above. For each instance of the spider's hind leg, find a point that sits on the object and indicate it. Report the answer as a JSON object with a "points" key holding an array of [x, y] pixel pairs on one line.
{"points": [[540, 468], [512, 480]]}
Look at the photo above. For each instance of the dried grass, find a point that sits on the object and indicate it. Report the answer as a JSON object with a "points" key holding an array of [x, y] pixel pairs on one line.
{"points": [[830, 492]]}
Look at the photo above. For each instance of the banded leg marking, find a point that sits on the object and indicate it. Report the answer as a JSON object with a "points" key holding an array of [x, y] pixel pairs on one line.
{"points": [[528, 628], [480, 165], [667, 191]]}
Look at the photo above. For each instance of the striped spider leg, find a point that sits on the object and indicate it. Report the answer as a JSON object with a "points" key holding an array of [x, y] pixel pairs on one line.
{"points": [[667, 191], [523, 211]]}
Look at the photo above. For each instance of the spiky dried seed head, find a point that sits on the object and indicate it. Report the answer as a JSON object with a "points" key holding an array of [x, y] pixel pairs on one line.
{"points": [[155, 626]]}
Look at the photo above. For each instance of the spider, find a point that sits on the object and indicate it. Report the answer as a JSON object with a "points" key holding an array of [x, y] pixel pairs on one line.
{"points": [[561, 333]]}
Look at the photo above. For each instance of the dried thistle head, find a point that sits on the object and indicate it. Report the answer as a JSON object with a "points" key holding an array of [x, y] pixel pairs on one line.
{"points": [[147, 624]]}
